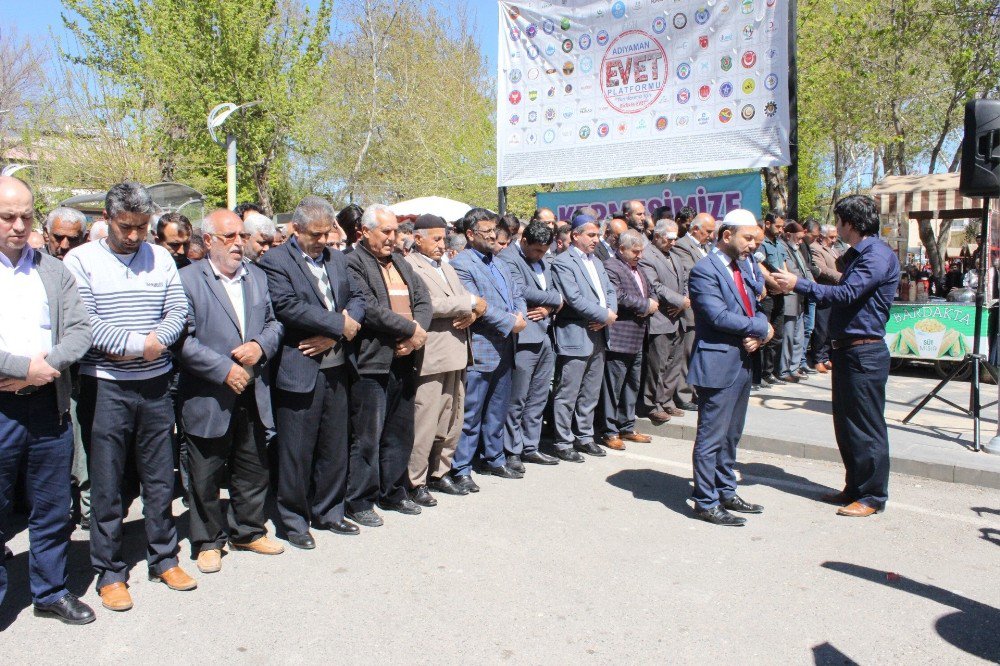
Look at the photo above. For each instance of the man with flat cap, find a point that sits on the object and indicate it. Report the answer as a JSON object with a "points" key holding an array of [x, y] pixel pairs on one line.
{"points": [[441, 365], [728, 329]]}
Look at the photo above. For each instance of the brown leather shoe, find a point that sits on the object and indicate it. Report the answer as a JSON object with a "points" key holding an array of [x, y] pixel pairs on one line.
{"points": [[614, 443], [176, 579], [261, 546], [210, 561], [115, 597], [635, 437], [821, 368], [829, 365], [674, 411], [659, 418], [840, 498], [856, 510]]}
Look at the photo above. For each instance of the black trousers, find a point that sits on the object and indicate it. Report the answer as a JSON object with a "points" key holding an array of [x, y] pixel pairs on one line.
{"points": [[382, 414], [242, 452], [119, 417], [819, 345], [859, 378], [312, 452], [774, 307]]}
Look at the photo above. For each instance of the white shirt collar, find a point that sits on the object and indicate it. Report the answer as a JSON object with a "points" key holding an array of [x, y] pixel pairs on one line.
{"points": [[240, 274]]}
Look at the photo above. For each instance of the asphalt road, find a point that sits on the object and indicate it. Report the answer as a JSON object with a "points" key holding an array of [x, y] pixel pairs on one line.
{"points": [[593, 563]]}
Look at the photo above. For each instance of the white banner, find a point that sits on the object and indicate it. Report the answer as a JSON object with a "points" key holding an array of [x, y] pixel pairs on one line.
{"points": [[593, 89]]}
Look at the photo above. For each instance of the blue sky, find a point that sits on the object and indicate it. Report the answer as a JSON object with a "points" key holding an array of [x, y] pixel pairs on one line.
{"points": [[36, 18]]}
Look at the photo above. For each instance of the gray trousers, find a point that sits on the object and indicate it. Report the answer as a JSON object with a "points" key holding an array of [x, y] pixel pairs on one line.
{"points": [[792, 344], [530, 383], [620, 392], [664, 370], [576, 397]]}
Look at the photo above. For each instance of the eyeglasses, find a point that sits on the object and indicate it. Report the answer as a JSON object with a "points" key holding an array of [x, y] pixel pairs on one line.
{"points": [[229, 239], [485, 233]]}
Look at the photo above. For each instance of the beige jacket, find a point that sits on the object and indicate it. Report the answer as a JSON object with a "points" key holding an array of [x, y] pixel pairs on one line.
{"points": [[447, 349]]}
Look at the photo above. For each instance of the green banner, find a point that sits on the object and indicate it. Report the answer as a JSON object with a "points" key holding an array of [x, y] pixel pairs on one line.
{"points": [[935, 331]]}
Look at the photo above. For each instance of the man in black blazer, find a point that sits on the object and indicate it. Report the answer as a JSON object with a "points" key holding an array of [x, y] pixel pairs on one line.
{"points": [[322, 310], [225, 393], [397, 316]]}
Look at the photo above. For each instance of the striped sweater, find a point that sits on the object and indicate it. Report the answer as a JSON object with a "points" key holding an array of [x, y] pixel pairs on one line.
{"points": [[127, 297]]}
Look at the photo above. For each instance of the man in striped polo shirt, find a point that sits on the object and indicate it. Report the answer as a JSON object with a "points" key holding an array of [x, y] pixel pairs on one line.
{"points": [[137, 309]]}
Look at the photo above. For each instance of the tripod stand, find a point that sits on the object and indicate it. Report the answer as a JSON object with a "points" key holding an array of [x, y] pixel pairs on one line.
{"points": [[976, 361]]}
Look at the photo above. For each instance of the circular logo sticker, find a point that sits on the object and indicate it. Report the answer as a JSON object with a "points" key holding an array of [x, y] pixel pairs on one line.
{"points": [[584, 42], [549, 136], [746, 6], [683, 71], [661, 123], [513, 13], [565, 24], [568, 88], [749, 85], [704, 92], [632, 71], [682, 121], [726, 89], [702, 15], [725, 115], [602, 37], [770, 109], [680, 21], [618, 9], [532, 52], [567, 68], [515, 119], [532, 116], [748, 32], [703, 41], [515, 97], [533, 73], [585, 132], [567, 45], [586, 64], [550, 50], [515, 34], [749, 59], [771, 82], [659, 24], [748, 112], [515, 75], [683, 95], [531, 30], [726, 63], [548, 27], [603, 129], [550, 114]]}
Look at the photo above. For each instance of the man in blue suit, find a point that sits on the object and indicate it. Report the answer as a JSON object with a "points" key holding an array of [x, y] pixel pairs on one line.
{"points": [[581, 338], [488, 383], [728, 328], [535, 359]]}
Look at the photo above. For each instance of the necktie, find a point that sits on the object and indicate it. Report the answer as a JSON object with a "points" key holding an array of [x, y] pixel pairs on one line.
{"points": [[738, 278], [324, 281]]}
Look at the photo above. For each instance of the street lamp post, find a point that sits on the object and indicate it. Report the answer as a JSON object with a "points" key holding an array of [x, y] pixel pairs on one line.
{"points": [[216, 117]]}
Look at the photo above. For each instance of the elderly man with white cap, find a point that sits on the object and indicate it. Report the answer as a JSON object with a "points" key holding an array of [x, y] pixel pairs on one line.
{"points": [[728, 329]]}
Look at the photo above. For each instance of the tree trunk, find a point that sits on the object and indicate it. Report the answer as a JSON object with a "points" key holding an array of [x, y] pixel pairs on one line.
{"points": [[776, 188], [262, 179], [936, 245]]}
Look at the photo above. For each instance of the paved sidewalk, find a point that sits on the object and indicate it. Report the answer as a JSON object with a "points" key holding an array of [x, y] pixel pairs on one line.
{"points": [[795, 420]]}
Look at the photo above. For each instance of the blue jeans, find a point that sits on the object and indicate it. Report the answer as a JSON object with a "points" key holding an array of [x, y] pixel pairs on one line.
{"points": [[33, 432], [487, 401]]}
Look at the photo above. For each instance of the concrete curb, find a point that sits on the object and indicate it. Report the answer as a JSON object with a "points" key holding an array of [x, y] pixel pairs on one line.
{"points": [[938, 471]]}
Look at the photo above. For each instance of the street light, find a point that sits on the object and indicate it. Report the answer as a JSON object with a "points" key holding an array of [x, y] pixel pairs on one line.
{"points": [[11, 169], [216, 117]]}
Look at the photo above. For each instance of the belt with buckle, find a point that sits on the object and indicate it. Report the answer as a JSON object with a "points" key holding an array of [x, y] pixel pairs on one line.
{"points": [[27, 390], [854, 342]]}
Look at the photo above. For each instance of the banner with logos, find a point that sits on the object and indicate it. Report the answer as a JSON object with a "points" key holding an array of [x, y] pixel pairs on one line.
{"points": [[717, 196], [593, 89]]}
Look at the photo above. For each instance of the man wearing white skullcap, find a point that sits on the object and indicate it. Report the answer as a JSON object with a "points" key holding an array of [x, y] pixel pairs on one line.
{"points": [[728, 329]]}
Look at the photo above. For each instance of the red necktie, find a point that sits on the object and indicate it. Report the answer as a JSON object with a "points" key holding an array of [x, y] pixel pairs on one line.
{"points": [[738, 277]]}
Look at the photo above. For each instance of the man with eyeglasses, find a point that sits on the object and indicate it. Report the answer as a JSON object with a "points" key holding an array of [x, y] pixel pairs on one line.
{"points": [[44, 330], [137, 309], [225, 393]]}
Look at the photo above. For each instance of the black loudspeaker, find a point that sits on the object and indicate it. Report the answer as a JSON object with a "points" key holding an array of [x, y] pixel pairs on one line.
{"points": [[981, 149]]}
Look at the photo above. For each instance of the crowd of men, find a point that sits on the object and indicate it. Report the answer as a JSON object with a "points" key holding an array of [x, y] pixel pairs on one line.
{"points": [[346, 361]]}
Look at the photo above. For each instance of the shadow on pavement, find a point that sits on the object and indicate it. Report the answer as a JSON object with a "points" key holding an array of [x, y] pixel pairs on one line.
{"points": [[974, 628], [825, 654], [79, 575], [655, 486], [762, 474]]}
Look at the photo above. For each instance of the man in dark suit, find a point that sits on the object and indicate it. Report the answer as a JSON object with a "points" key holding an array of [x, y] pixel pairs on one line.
{"points": [[606, 248], [581, 341], [623, 364], [225, 393], [397, 317], [535, 359], [690, 249], [728, 328], [665, 342], [321, 310], [487, 395]]}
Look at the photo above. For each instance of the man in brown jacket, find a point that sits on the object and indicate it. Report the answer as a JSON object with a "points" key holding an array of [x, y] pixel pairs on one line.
{"points": [[440, 398], [825, 258]]}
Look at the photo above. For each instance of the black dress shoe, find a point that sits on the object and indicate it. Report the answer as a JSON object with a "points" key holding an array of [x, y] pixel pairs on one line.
{"points": [[503, 472], [539, 458], [771, 380], [465, 482], [447, 485], [590, 448], [569, 455], [303, 541], [343, 527], [69, 609], [514, 462], [85, 523], [756, 387], [688, 406], [719, 516], [422, 496], [405, 506], [367, 518], [736, 503], [790, 379]]}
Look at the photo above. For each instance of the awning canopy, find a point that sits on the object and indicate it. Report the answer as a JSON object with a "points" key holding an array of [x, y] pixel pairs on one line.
{"points": [[449, 209], [934, 197]]}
